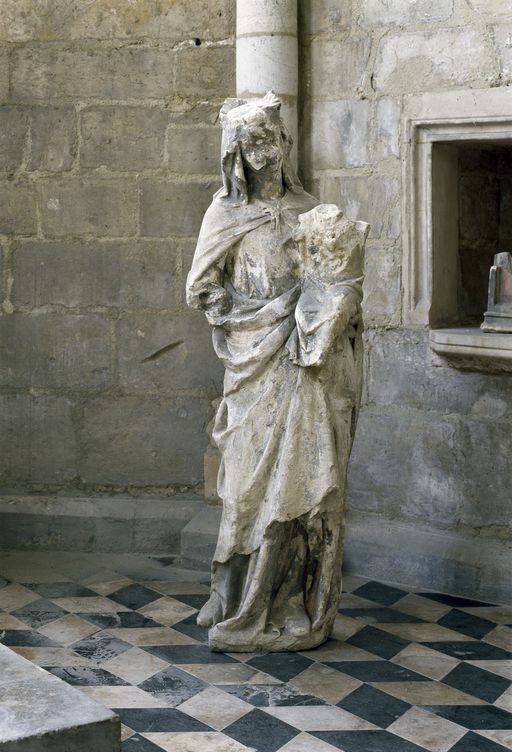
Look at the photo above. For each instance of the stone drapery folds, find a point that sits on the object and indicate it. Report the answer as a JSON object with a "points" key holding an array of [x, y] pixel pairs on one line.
{"points": [[279, 277]]}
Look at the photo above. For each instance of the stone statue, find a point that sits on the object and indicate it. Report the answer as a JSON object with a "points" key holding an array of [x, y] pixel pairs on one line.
{"points": [[279, 279], [498, 317]]}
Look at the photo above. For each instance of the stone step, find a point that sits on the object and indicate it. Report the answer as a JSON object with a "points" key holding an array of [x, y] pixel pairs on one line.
{"points": [[41, 712], [114, 524], [199, 538]]}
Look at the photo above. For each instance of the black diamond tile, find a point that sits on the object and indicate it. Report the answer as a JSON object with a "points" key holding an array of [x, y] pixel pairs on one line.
{"points": [[100, 647], [134, 596], [260, 731], [472, 742], [137, 743], [467, 624], [128, 619], [26, 638], [376, 671], [367, 741], [454, 600], [84, 676], [191, 628], [270, 695], [381, 615], [379, 643], [158, 720], [61, 590], [38, 613], [188, 654], [477, 682], [470, 650], [380, 593], [479, 717], [283, 666], [173, 685], [374, 706], [195, 601]]}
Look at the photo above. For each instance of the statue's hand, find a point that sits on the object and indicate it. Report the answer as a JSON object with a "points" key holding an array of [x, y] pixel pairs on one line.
{"points": [[216, 301]]}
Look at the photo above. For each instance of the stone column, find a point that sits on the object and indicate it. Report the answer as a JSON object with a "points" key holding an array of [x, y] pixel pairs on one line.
{"points": [[267, 54]]}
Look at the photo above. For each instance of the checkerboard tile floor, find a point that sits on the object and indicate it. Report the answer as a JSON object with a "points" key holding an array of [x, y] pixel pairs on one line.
{"points": [[403, 671]]}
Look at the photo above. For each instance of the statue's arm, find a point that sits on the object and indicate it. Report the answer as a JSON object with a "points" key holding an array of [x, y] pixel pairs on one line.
{"points": [[213, 299], [205, 280]]}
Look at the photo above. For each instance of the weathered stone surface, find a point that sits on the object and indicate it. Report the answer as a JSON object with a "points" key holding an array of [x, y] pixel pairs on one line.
{"points": [[399, 374], [37, 440], [18, 215], [485, 480], [53, 139], [42, 712], [372, 197], [210, 69], [4, 75], [3, 291], [40, 73], [433, 59], [149, 276], [491, 7], [57, 351], [13, 135], [144, 441], [39, 273], [502, 36], [316, 16], [403, 11], [447, 561], [174, 209], [288, 356], [263, 56], [158, 354], [336, 67], [116, 524], [103, 208], [412, 476], [338, 134], [387, 134], [194, 150], [173, 20], [382, 292], [428, 472], [123, 138], [193, 112], [133, 273]]}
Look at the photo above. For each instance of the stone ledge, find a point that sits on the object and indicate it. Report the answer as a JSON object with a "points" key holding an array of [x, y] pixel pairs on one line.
{"points": [[41, 712], [120, 524], [472, 349], [199, 538]]}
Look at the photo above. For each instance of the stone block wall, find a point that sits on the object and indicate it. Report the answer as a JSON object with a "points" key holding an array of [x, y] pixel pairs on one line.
{"points": [[431, 472], [108, 159]]}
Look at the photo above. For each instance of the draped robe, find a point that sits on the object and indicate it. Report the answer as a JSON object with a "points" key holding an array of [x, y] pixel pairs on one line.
{"points": [[291, 348]]}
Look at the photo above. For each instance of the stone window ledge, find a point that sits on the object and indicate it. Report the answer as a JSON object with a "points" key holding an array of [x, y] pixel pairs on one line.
{"points": [[472, 349]]}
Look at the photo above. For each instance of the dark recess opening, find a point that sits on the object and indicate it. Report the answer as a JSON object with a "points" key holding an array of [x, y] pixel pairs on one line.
{"points": [[485, 221]]}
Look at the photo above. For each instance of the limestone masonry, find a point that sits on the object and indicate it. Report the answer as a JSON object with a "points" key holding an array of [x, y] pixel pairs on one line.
{"points": [[107, 131]]}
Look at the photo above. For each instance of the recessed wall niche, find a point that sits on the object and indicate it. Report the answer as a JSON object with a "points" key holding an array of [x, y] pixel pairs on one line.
{"points": [[471, 221], [457, 213]]}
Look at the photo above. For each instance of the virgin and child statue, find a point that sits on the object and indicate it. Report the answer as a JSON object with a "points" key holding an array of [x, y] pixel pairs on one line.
{"points": [[279, 278]]}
